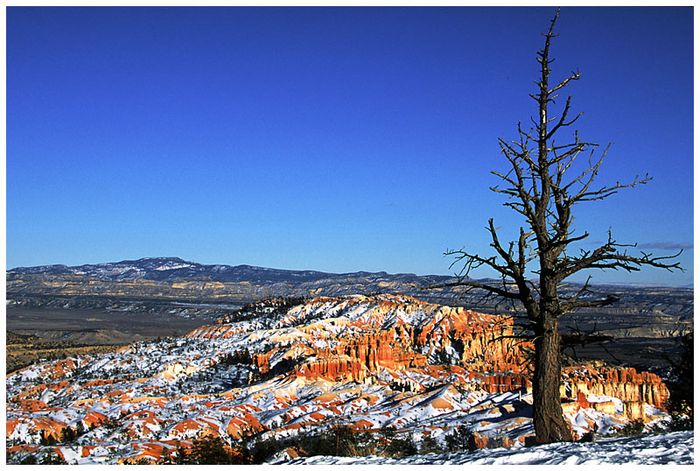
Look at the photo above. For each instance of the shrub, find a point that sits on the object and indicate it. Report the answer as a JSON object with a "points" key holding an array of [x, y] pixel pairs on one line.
{"points": [[401, 446], [335, 441], [211, 450], [461, 439], [51, 457], [430, 445], [204, 450], [46, 439], [237, 357], [29, 459], [68, 435], [632, 429]]}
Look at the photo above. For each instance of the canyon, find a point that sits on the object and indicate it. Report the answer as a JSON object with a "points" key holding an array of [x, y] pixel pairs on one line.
{"points": [[277, 370], [109, 304]]}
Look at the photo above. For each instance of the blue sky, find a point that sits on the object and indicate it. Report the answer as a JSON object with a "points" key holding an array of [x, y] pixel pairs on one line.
{"points": [[329, 139]]}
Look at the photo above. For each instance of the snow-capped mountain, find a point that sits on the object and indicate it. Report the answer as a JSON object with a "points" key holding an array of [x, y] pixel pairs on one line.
{"points": [[174, 268]]}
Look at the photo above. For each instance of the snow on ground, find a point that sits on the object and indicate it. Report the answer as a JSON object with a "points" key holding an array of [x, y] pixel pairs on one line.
{"points": [[671, 448], [156, 391]]}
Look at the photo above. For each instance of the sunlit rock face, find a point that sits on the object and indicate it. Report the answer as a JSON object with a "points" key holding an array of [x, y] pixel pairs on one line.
{"points": [[369, 362], [351, 337], [634, 389]]}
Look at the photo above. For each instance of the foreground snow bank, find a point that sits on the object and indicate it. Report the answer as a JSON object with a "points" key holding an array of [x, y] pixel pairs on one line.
{"points": [[674, 448]]}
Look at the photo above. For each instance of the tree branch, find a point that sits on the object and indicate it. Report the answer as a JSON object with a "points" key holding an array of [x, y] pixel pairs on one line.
{"points": [[479, 285]]}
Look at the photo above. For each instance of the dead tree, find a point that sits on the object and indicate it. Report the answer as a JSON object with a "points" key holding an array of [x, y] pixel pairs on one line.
{"points": [[544, 183]]}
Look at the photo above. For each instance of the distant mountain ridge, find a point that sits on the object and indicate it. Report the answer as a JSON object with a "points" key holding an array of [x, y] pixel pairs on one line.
{"points": [[174, 268], [175, 287]]}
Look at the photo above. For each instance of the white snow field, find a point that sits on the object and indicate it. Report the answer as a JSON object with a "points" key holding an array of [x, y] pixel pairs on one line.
{"points": [[671, 448]]}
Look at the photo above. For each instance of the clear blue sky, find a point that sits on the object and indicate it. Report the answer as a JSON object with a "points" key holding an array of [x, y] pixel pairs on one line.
{"points": [[328, 139]]}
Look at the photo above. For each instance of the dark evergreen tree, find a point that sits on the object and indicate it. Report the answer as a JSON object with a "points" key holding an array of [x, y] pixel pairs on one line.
{"points": [[430, 445], [51, 457], [461, 439], [681, 386], [68, 435]]}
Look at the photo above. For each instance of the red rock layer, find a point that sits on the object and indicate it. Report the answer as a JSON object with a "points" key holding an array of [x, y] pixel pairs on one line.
{"points": [[400, 332], [501, 383], [625, 384], [336, 368], [387, 349]]}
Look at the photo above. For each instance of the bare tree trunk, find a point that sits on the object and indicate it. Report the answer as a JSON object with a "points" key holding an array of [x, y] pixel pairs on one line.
{"points": [[539, 188], [548, 416]]}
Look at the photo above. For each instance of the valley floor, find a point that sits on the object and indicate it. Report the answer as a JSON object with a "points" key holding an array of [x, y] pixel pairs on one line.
{"points": [[671, 448]]}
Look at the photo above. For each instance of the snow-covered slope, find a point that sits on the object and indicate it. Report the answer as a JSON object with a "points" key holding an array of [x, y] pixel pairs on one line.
{"points": [[365, 362], [671, 448]]}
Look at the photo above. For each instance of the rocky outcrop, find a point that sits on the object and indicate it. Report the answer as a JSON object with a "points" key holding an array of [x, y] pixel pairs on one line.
{"points": [[384, 349], [634, 389], [499, 383], [367, 362], [336, 368], [400, 332], [174, 370], [387, 332]]}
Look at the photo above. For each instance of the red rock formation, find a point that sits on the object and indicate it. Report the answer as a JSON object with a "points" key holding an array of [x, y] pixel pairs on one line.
{"points": [[484, 339], [389, 342], [362, 425], [582, 400], [93, 419], [239, 427], [97, 382], [31, 405], [500, 383], [387, 349], [482, 441], [385, 336], [623, 383], [336, 368], [262, 360], [633, 388], [37, 426]]}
